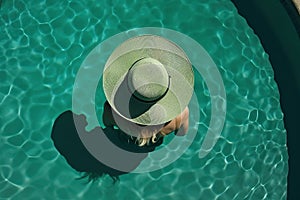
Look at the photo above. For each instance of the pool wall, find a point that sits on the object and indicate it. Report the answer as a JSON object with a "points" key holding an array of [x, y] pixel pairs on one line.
{"points": [[277, 24]]}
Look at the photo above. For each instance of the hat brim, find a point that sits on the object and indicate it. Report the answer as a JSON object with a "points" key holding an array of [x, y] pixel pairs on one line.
{"points": [[180, 72]]}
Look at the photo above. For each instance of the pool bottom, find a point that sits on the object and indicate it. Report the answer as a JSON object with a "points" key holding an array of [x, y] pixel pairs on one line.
{"points": [[248, 161]]}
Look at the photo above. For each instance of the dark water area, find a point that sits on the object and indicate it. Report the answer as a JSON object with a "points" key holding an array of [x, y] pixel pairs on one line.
{"points": [[277, 24]]}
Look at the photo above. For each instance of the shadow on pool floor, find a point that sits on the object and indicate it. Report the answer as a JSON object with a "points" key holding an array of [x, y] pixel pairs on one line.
{"points": [[69, 144]]}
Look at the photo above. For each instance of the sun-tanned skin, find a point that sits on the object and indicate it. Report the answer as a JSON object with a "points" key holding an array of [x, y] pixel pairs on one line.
{"points": [[179, 124]]}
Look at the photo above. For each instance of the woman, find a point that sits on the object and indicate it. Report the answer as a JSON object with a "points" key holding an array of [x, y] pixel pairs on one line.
{"points": [[148, 82]]}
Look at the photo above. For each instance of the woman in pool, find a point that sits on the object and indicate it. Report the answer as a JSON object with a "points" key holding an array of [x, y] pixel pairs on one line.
{"points": [[148, 82]]}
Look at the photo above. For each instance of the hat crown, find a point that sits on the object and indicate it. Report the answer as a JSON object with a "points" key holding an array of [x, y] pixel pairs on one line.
{"points": [[148, 79]]}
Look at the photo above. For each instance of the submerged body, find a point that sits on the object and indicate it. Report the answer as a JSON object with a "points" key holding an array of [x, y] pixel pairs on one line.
{"points": [[179, 124]]}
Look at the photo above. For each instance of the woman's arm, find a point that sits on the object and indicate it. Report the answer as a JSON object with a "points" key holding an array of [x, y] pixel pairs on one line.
{"points": [[183, 124], [180, 124]]}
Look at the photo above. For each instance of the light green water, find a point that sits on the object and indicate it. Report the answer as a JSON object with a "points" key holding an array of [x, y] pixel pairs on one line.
{"points": [[42, 45]]}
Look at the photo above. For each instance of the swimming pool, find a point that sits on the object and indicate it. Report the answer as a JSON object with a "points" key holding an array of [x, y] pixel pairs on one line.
{"points": [[44, 44]]}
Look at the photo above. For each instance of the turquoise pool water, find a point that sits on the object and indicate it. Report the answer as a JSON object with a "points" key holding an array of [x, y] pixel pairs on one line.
{"points": [[42, 45]]}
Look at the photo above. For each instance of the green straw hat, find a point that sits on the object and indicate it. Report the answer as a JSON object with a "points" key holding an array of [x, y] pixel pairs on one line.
{"points": [[148, 80]]}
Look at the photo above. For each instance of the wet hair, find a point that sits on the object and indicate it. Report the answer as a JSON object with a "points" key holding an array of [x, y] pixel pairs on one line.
{"points": [[155, 136]]}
